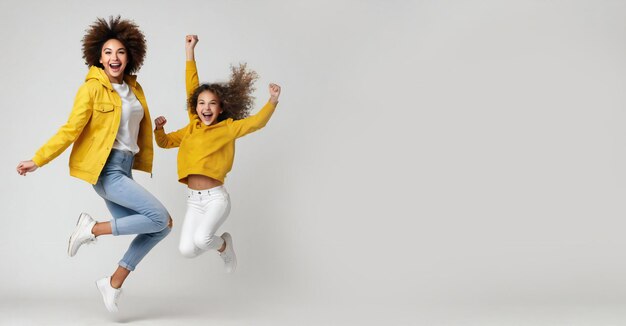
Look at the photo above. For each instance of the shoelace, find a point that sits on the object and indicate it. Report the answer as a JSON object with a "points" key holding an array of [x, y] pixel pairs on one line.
{"points": [[89, 241], [117, 295]]}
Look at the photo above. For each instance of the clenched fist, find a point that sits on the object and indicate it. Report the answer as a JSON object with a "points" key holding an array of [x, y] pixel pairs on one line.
{"points": [[159, 122], [274, 93]]}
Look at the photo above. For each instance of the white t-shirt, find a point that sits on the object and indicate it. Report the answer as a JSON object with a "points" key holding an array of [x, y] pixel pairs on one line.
{"points": [[132, 113]]}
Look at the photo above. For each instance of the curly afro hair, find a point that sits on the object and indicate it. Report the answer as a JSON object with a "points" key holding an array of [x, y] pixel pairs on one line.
{"points": [[235, 96], [125, 31]]}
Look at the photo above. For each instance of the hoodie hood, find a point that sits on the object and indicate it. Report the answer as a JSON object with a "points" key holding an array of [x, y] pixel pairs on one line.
{"points": [[99, 75]]}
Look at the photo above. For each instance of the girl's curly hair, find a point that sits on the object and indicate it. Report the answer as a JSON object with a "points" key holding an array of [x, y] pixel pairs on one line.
{"points": [[235, 96], [123, 30]]}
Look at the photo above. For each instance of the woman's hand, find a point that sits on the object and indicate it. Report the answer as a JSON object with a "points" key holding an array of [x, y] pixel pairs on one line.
{"points": [[190, 44], [26, 166], [159, 122], [274, 93]]}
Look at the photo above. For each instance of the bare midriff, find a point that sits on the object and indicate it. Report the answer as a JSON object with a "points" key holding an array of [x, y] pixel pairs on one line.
{"points": [[202, 182]]}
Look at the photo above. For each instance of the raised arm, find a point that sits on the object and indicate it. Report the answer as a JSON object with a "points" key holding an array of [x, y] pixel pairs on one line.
{"points": [[253, 123], [171, 140], [191, 71]]}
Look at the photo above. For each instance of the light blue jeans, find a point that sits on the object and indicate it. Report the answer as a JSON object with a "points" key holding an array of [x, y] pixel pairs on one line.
{"points": [[134, 209]]}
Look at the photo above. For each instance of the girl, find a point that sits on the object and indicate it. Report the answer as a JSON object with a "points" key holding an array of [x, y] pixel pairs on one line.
{"points": [[217, 114], [111, 130]]}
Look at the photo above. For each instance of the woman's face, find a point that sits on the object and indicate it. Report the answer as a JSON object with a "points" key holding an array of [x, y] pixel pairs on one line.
{"points": [[208, 107], [114, 58]]}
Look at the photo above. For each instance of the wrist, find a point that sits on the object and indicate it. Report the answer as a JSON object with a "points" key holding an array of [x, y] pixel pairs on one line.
{"points": [[190, 54]]}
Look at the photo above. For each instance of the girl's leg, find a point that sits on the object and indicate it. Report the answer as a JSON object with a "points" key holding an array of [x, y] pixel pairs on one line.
{"points": [[215, 214], [205, 214], [193, 216]]}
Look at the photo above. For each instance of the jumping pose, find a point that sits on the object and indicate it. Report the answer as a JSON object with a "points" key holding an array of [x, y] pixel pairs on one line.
{"points": [[218, 115], [111, 130]]}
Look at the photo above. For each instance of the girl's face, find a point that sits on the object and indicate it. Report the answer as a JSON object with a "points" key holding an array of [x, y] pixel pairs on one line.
{"points": [[208, 107], [114, 58]]}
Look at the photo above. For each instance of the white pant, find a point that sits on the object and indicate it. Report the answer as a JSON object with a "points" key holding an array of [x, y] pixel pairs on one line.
{"points": [[206, 212]]}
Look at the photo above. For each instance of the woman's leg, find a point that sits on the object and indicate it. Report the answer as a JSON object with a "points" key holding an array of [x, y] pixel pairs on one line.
{"points": [[127, 218], [112, 186], [117, 211], [138, 248], [150, 215], [121, 273]]}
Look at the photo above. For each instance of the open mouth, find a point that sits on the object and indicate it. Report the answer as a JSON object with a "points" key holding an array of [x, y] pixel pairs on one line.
{"points": [[115, 66], [207, 115]]}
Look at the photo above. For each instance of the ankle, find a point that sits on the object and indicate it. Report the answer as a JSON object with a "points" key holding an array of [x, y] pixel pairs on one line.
{"points": [[115, 284], [220, 250], [94, 229]]}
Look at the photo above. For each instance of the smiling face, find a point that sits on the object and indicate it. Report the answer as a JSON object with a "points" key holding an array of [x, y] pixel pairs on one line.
{"points": [[208, 107], [114, 59]]}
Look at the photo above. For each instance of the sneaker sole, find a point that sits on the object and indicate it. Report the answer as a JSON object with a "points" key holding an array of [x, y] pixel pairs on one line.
{"points": [[75, 234]]}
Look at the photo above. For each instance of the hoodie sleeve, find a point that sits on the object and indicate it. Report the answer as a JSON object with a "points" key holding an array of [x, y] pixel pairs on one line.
{"points": [[67, 134], [171, 140], [191, 83], [240, 128]]}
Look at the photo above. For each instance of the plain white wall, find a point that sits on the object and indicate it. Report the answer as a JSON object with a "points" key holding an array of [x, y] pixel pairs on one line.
{"points": [[422, 150]]}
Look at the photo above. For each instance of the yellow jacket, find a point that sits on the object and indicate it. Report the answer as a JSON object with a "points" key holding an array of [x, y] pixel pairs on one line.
{"points": [[92, 127], [209, 150]]}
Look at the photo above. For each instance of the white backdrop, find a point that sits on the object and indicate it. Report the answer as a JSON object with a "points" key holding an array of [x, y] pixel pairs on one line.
{"points": [[422, 151]]}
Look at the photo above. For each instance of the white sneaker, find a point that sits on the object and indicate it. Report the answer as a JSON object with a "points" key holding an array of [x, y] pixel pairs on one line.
{"points": [[109, 293], [82, 234], [228, 255]]}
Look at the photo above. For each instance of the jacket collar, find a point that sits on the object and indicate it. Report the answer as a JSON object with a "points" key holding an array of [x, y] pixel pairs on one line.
{"points": [[99, 75]]}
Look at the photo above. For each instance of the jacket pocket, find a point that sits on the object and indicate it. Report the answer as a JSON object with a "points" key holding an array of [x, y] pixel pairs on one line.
{"points": [[101, 107], [81, 152], [103, 116]]}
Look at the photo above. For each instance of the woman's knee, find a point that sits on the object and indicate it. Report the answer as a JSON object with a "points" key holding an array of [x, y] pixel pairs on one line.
{"points": [[160, 235], [161, 220]]}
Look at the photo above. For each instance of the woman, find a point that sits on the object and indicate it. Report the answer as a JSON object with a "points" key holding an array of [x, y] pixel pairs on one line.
{"points": [[111, 130]]}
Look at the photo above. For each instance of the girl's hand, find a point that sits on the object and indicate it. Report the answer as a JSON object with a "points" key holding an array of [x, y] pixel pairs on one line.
{"points": [[274, 93], [26, 166], [159, 122], [191, 41]]}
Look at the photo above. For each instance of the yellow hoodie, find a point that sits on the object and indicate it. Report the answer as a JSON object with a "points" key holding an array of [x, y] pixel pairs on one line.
{"points": [[92, 127], [209, 150]]}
